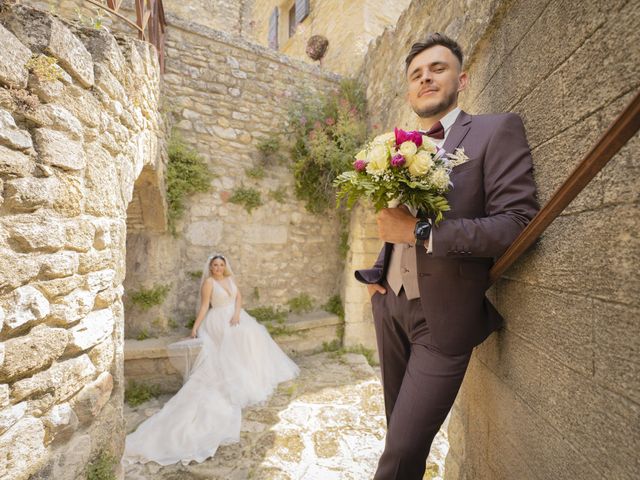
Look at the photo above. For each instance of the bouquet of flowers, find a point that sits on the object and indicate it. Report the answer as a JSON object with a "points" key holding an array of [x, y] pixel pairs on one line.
{"points": [[401, 168]]}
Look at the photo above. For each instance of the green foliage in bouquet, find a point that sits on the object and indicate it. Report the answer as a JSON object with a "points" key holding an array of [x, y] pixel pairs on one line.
{"points": [[413, 193], [326, 133]]}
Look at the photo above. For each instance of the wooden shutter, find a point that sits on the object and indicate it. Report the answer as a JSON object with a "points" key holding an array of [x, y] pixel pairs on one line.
{"points": [[302, 10], [273, 29]]}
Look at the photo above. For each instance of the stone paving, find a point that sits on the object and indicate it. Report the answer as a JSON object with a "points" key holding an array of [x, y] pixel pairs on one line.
{"points": [[326, 424]]}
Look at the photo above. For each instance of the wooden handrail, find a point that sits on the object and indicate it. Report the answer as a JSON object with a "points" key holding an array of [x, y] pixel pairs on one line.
{"points": [[617, 135], [149, 17]]}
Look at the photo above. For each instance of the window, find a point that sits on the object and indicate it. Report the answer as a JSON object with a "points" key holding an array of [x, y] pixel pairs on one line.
{"points": [[273, 29], [292, 21], [302, 10]]}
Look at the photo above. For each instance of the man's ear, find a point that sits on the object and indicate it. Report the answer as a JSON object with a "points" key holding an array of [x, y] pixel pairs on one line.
{"points": [[463, 81]]}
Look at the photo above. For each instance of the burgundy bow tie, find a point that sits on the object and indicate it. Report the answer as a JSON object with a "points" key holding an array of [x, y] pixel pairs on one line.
{"points": [[437, 131]]}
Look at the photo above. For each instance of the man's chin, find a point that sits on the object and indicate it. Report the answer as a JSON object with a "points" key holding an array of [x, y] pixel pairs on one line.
{"points": [[432, 110]]}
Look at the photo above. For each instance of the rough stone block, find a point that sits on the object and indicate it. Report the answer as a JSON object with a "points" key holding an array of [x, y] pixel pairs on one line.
{"points": [[94, 329], [71, 53], [28, 233], [98, 281], [9, 416], [61, 422], [101, 177], [11, 135], [73, 307], [4, 395], [58, 149], [59, 118], [92, 398], [15, 163], [102, 355], [37, 350], [206, 233], [266, 234], [69, 198], [25, 305], [16, 269], [95, 260], [60, 264], [29, 194], [13, 61], [60, 286], [79, 235], [22, 449], [68, 460], [56, 384]]}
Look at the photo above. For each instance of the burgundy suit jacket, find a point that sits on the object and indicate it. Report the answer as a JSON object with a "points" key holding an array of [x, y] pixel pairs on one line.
{"points": [[492, 199]]}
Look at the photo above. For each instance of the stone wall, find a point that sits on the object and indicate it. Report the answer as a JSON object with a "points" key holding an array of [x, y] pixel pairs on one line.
{"points": [[227, 95], [349, 27], [224, 15], [556, 394], [73, 139]]}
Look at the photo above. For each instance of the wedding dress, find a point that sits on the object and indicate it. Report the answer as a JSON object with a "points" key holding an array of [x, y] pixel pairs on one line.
{"points": [[237, 366]]}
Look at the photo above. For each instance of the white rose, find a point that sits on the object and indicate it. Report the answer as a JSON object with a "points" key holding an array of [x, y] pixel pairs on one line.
{"points": [[408, 149], [440, 178], [421, 164], [377, 160], [385, 139], [428, 146]]}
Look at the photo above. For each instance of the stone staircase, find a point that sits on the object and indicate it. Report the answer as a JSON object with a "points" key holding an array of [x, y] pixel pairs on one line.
{"points": [[147, 361]]}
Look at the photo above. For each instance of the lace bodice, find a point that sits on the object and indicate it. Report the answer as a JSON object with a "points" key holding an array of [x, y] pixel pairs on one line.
{"points": [[220, 297]]}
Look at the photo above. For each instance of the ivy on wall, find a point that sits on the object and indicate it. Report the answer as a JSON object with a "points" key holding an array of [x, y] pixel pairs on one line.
{"points": [[187, 173]]}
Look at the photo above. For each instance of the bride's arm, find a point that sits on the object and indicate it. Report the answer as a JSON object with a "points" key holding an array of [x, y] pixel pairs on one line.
{"points": [[236, 314], [205, 294]]}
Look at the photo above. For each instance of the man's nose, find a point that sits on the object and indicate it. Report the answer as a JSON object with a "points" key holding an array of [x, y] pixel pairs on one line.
{"points": [[426, 77]]}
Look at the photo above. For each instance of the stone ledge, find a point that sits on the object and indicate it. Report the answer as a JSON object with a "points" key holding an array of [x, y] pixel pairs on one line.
{"points": [[147, 360], [157, 347]]}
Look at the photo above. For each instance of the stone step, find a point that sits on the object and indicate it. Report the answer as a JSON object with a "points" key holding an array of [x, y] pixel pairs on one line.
{"points": [[147, 361]]}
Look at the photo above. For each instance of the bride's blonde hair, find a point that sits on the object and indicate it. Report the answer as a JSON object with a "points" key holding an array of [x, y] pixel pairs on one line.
{"points": [[227, 271]]}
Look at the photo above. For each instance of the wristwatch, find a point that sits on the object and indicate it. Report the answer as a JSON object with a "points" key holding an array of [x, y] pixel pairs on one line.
{"points": [[422, 231]]}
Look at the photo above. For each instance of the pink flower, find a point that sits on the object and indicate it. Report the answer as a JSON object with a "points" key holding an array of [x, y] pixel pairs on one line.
{"points": [[359, 165], [330, 121], [402, 136], [398, 160]]}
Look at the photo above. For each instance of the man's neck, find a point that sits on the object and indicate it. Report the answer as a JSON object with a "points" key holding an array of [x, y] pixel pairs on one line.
{"points": [[426, 123]]}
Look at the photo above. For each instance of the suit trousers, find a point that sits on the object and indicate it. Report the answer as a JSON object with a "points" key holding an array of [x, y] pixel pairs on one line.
{"points": [[420, 384]]}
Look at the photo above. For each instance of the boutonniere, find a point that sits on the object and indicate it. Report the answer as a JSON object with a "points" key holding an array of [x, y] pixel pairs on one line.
{"points": [[458, 157]]}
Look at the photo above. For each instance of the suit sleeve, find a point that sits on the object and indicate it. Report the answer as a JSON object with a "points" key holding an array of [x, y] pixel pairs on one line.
{"points": [[373, 274], [510, 198]]}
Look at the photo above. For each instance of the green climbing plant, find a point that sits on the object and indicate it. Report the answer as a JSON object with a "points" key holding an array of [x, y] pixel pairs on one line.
{"points": [[326, 133], [187, 173]]}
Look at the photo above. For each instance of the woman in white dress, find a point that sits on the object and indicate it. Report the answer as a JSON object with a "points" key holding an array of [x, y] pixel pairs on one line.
{"points": [[239, 364]]}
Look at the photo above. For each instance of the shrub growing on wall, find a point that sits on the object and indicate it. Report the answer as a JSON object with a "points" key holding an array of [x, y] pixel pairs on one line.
{"points": [[187, 173], [327, 132]]}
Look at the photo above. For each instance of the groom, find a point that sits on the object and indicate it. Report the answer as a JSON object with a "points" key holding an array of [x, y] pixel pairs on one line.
{"points": [[428, 285]]}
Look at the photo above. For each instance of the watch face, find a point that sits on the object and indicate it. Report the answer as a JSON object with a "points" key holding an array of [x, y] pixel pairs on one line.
{"points": [[423, 229]]}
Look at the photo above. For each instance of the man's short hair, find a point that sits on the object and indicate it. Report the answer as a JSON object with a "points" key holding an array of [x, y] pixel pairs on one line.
{"points": [[431, 41]]}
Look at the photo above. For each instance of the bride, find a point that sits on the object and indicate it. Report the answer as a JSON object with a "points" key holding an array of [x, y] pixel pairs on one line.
{"points": [[238, 365]]}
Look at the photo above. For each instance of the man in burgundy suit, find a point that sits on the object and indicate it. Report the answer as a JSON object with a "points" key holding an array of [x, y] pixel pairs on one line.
{"points": [[428, 285]]}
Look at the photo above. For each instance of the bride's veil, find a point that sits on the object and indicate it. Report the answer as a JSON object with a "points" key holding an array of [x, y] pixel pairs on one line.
{"points": [[183, 354]]}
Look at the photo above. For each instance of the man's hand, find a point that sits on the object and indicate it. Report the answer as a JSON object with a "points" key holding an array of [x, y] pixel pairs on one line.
{"points": [[396, 225], [374, 287]]}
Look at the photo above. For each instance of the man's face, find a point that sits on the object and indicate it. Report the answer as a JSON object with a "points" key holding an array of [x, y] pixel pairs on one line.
{"points": [[434, 79]]}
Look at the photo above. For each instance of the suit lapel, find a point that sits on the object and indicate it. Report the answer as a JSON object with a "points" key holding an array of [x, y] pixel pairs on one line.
{"points": [[459, 130]]}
